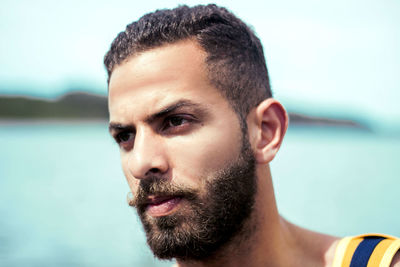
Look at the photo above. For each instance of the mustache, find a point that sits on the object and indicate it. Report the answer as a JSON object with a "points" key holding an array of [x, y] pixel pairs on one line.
{"points": [[158, 186]]}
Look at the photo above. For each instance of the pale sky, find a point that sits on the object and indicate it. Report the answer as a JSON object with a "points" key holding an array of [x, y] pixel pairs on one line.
{"points": [[324, 57]]}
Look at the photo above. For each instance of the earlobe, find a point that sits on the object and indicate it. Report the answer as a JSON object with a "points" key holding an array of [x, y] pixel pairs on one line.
{"points": [[271, 124]]}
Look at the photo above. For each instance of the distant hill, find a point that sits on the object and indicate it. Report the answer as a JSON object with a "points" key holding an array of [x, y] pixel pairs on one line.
{"points": [[300, 119], [69, 106], [84, 106]]}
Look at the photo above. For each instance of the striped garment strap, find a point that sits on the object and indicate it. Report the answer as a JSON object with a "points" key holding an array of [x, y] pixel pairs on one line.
{"points": [[370, 250], [364, 251]]}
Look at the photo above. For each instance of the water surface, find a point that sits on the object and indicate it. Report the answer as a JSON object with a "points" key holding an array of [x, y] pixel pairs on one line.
{"points": [[63, 194]]}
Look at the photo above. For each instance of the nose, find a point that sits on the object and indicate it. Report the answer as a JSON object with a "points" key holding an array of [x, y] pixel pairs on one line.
{"points": [[147, 155]]}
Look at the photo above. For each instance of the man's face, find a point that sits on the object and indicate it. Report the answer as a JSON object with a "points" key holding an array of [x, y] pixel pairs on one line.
{"points": [[187, 162]]}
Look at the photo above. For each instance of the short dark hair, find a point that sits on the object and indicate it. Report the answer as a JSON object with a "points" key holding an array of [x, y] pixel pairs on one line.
{"points": [[235, 59]]}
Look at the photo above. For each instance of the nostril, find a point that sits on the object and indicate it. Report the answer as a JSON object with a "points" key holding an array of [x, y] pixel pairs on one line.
{"points": [[154, 170]]}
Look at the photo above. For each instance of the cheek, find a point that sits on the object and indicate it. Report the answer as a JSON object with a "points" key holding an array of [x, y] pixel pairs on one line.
{"points": [[198, 156]]}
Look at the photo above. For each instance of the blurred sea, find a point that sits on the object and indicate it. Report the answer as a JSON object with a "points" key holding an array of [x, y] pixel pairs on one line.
{"points": [[63, 194]]}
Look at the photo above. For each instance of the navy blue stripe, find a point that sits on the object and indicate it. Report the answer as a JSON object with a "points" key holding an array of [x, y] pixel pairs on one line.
{"points": [[364, 251]]}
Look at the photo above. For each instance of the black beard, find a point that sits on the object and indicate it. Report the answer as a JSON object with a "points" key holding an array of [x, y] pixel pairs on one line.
{"points": [[210, 221]]}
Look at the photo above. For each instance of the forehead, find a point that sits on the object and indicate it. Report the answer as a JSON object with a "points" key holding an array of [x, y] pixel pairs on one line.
{"points": [[155, 78]]}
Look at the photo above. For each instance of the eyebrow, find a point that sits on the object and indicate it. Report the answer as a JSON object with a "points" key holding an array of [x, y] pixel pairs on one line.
{"points": [[171, 108], [119, 127], [115, 126]]}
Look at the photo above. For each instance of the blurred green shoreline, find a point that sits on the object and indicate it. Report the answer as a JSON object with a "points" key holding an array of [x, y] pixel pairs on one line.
{"points": [[80, 106], [69, 106]]}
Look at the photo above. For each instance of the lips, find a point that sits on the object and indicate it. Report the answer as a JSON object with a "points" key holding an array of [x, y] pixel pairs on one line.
{"points": [[162, 206]]}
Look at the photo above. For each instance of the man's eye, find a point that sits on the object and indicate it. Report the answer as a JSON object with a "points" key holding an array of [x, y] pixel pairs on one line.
{"points": [[176, 121], [177, 124], [124, 137]]}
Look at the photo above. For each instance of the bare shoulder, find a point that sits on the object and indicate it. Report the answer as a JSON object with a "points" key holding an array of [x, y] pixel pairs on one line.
{"points": [[330, 251], [396, 260], [318, 246]]}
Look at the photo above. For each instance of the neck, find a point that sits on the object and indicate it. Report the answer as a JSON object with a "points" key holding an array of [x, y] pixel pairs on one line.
{"points": [[269, 240]]}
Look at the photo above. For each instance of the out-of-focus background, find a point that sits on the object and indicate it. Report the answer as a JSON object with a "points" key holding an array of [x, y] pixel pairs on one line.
{"points": [[333, 64]]}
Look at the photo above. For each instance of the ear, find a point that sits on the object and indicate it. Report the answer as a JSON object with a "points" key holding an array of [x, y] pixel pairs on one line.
{"points": [[268, 124]]}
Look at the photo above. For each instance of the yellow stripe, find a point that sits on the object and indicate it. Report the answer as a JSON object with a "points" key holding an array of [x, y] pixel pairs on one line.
{"points": [[340, 251], [378, 253], [350, 251], [390, 252]]}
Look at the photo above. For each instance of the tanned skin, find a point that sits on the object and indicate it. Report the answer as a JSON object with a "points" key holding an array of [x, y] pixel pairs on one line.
{"points": [[188, 150]]}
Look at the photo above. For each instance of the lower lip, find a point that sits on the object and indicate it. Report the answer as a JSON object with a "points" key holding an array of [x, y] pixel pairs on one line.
{"points": [[163, 208]]}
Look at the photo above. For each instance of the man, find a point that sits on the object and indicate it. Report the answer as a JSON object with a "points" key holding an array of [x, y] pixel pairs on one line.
{"points": [[192, 111]]}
